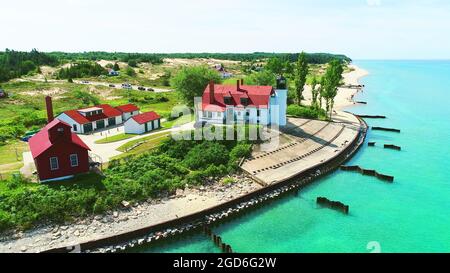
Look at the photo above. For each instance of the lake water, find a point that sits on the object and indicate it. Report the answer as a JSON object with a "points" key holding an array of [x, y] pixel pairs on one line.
{"points": [[410, 215]]}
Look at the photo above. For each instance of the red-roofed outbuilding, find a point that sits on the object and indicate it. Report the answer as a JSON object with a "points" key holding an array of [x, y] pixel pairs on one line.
{"points": [[97, 117], [57, 152], [143, 123]]}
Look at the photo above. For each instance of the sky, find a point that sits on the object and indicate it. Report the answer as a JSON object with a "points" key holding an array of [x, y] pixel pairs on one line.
{"points": [[360, 29]]}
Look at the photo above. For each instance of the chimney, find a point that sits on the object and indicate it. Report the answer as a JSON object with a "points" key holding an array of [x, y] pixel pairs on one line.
{"points": [[211, 92], [238, 85], [49, 105], [242, 82]]}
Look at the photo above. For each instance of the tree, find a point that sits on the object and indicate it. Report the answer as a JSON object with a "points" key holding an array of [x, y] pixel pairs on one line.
{"points": [[132, 63], [301, 72], [275, 65], [315, 91], [116, 67], [130, 71], [331, 81], [190, 82], [261, 78]]}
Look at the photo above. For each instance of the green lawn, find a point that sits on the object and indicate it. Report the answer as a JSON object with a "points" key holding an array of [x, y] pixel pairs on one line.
{"points": [[151, 138], [114, 138], [179, 121], [11, 157]]}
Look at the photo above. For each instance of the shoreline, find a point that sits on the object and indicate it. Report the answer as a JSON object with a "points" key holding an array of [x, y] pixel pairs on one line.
{"points": [[345, 96], [150, 213]]}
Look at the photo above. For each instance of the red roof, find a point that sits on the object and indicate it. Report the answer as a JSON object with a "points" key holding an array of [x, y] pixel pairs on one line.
{"points": [[127, 108], [40, 142], [108, 112], [146, 117], [258, 96]]}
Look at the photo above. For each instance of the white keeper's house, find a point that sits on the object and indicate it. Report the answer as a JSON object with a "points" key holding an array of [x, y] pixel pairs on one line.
{"points": [[87, 120], [244, 103]]}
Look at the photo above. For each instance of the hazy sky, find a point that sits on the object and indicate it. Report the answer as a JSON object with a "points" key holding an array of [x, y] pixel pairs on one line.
{"points": [[361, 29]]}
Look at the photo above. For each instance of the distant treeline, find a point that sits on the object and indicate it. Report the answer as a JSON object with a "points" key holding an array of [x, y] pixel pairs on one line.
{"points": [[116, 56], [312, 58], [14, 64], [81, 70]]}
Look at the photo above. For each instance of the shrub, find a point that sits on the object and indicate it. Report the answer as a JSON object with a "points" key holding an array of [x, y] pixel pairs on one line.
{"points": [[306, 112], [206, 154]]}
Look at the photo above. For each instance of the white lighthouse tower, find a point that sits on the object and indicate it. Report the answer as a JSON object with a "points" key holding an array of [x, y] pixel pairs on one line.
{"points": [[278, 103]]}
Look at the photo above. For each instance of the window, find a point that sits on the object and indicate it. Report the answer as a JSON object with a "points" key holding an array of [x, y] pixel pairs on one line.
{"points": [[244, 101], [73, 160], [204, 114], [258, 113], [228, 100], [75, 128], [209, 114], [54, 163]]}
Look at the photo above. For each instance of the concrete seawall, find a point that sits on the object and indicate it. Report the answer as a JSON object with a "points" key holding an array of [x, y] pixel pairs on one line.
{"points": [[290, 183]]}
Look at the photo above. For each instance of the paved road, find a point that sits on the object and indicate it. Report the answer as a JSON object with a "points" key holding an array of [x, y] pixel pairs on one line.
{"points": [[96, 83], [118, 85]]}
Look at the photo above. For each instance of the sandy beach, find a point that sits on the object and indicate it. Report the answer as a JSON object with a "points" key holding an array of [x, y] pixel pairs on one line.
{"points": [[344, 95]]}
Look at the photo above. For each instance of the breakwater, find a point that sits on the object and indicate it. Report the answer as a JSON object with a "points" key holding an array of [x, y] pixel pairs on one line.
{"points": [[227, 210], [386, 129], [373, 173], [336, 205], [392, 147], [372, 116]]}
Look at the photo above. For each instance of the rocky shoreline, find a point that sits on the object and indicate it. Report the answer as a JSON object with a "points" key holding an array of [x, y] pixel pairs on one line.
{"points": [[129, 217]]}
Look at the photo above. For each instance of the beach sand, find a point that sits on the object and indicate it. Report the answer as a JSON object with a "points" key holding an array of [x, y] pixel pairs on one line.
{"points": [[344, 95]]}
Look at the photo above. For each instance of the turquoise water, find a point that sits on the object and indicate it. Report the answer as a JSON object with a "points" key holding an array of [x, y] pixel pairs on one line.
{"points": [[411, 215]]}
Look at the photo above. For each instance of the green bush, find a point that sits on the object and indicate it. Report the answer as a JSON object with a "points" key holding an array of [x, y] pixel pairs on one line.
{"points": [[173, 165], [306, 112], [206, 154]]}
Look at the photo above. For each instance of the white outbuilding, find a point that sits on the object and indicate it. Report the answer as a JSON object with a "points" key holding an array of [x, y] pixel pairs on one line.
{"points": [[143, 123]]}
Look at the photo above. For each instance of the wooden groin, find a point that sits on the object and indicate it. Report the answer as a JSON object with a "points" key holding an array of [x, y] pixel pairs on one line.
{"points": [[393, 147], [371, 144], [336, 205], [217, 240], [228, 210], [372, 116], [374, 173], [361, 102], [385, 129]]}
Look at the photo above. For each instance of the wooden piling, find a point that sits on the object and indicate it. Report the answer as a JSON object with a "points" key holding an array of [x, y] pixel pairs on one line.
{"points": [[372, 116], [336, 205], [393, 147], [374, 173], [386, 129]]}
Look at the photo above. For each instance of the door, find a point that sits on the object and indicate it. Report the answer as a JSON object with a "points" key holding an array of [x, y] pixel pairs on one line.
{"points": [[100, 124], [111, 121], [87, 128], [230, 115], [146, 127]]}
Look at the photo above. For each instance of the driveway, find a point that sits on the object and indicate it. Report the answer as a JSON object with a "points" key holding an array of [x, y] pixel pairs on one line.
{"points": [[108, 150]]}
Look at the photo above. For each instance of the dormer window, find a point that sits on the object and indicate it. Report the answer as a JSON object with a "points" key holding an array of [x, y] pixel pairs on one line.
{"points": [[244, 101], [228, 100]]}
